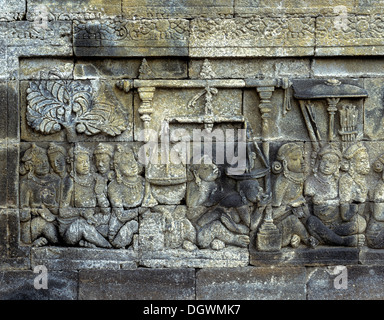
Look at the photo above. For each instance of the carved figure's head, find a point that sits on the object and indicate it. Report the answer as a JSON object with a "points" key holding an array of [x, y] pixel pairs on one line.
{"points": [[103, 156], [329, 160], [82, 160], [57, 158], [35, 161], [204, 170], [292, 157], [125, 163], [358, 159]]}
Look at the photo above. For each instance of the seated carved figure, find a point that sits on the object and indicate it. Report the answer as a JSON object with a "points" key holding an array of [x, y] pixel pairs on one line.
{"points": [[126, 193], [354, 190], [103, 155], [290, 210], [375, 228], [222, 223], [76, 221], [58, 158], [38, 199], [323, 188]]}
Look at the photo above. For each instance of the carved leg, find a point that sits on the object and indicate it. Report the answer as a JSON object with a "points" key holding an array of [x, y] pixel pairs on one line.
{"points": [[41, 227], [125, 234], [217, 231], [114, 227], [327, 236], [80, 229], [293, 226], [51, 233]]}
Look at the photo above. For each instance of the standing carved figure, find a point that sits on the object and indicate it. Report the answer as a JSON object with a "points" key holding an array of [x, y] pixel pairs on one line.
{"points": [[290, 210], [126, 193], [38, 199]]}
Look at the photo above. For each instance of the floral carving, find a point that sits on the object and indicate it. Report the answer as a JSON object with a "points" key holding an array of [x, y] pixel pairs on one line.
{"points": [[121, 29], [57, 104], [352, 27], [253, 29]]}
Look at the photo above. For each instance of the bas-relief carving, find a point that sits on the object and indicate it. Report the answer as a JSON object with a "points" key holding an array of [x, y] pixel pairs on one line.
{"points": [[298, 195]]}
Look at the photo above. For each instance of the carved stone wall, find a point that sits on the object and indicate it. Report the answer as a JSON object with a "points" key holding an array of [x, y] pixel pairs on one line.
{"points": [[197, 142]]}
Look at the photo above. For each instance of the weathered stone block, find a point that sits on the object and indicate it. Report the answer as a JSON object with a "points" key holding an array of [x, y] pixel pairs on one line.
{"points": [[373, 108], [56, 258], [62, 10], [121, 68], [12, 6], [199, 258], [251, 284], [4, 110], [348, 67], [44, 69], [27, 34], [13, 116], [349, 35], [12, 255], [345, 283], [182, 9], [19, 285], [141, 284], [252, 37], [143, 38], [319, 256], [9, 124], [253, 68], [251, 7]]}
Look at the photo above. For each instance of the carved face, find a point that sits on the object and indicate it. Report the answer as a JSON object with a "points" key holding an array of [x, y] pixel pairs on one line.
{"points": [[362, 162], [128, 166], [41, 165], [295, 161], [102, 162], [329, 164], [57, 161], [82, 163], [208, 172]]}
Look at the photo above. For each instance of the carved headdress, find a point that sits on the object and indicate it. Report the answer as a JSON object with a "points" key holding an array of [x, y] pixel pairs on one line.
{"points": [[104, 148], [33, 154]]}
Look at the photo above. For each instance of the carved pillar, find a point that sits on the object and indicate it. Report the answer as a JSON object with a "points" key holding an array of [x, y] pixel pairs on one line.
{"points": [[265, 106], [145, 109], [332, 108]]}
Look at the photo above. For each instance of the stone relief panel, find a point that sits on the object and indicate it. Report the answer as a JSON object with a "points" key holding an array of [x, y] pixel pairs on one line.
{"points": [[207, 171]]}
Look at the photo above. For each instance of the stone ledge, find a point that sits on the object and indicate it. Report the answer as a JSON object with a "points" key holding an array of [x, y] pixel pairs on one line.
{"points": [[319, 256], [141, 284], [240, 284], [55, 258]]}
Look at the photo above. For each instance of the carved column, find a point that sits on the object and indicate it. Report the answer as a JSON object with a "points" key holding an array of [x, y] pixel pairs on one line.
{"points": [[145, 110], [332, 109], [265, 106]]}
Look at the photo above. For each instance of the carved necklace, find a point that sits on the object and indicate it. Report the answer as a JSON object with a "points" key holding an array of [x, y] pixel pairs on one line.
{"points": [[132, 186], [39, 181], [84, 182], [325, 180], [297, 178]]}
